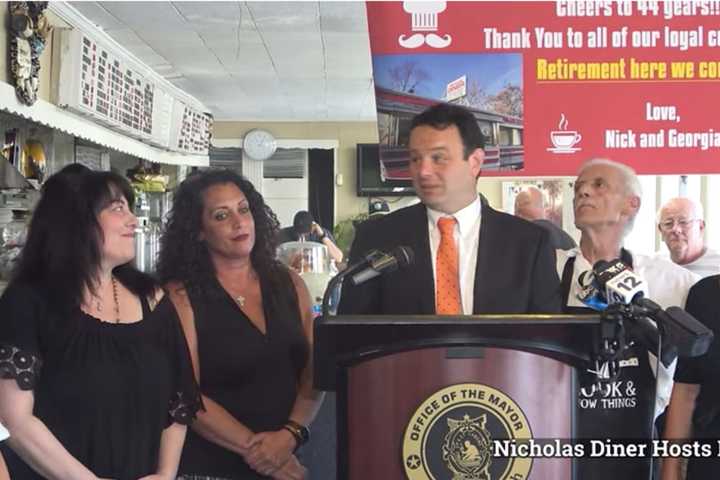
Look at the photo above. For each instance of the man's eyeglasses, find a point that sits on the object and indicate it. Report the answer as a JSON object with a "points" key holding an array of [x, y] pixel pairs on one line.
{"points": [[683, 223]]}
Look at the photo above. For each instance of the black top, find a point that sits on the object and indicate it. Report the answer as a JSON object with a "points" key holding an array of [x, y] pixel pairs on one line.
{"points": [[253, 376], [105, 390], [702, 303]]}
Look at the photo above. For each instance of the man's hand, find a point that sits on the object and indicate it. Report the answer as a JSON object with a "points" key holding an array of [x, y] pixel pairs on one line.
{"points": [[317, 229]]}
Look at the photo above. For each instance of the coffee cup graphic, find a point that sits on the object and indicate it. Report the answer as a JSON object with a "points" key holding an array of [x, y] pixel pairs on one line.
{"points": [[565, 139]]}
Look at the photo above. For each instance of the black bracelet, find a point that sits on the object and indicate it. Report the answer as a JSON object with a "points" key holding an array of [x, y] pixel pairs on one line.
{"points": [[300, 432], [295, 435]]}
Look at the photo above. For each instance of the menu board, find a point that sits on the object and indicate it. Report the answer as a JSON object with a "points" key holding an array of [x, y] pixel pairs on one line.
{"points": [[100, 82]]}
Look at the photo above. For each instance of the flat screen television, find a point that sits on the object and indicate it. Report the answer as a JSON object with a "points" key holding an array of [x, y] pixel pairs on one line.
{"points": [[370, 182]]}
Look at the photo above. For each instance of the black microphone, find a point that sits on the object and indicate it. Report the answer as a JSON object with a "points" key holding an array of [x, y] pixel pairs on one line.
{"points": [[681, 331], [381, 263], [372, 264]]}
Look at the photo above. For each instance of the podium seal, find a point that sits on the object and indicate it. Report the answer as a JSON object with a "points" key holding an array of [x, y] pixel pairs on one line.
{"points": [[450, 436]]}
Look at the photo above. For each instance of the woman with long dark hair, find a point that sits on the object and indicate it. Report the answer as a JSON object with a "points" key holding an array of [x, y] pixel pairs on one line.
{"points": [[248, 322], [96, 376]]}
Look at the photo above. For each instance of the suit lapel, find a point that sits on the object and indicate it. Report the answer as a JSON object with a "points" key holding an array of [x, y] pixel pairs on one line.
{"points": [[487, 241], [423, 261]]}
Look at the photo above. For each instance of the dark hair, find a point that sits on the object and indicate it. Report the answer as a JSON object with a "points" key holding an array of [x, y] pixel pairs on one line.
{"points": [[63, 248], [444, 115], [302, 222], [185, 258]]}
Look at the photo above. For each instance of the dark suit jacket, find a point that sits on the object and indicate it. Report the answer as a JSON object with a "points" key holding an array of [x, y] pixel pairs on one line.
{"points": [[515, 271], [559, 238]]}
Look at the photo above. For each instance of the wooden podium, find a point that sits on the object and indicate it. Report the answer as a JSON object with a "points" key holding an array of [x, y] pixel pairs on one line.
{"points": [[416, 395]]}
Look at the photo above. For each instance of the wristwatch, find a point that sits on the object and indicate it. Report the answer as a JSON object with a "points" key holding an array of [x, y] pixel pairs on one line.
{"points": [[300, 432]]}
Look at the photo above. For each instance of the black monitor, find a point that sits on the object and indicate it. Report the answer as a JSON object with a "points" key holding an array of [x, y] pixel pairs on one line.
{"points": [[370, 182]]}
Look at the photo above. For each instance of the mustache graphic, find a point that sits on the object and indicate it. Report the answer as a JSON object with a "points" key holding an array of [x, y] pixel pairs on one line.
{"points": [[412, 41], [418, 39], [436, 41]]}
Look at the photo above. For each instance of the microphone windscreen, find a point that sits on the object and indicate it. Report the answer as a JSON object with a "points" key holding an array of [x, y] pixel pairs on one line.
{"points": [[690, 335], [404, 255], [601, 265]]}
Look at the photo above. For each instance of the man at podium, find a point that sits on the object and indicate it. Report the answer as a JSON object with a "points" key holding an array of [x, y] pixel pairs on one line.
{"points": [[469, 258]]}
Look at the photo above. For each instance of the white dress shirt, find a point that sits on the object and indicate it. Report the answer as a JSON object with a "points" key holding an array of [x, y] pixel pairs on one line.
{"points": [[466, 235]]}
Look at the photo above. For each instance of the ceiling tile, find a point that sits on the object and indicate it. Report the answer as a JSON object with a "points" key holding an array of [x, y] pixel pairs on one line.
{"points": [[96, 12], [274, 61]]}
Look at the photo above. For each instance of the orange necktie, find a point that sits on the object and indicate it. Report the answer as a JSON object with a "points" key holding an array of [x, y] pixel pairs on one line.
{"points": [[447, 285]]}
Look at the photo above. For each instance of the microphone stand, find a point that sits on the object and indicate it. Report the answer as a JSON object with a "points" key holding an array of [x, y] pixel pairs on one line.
{"points": [[333, 284]]}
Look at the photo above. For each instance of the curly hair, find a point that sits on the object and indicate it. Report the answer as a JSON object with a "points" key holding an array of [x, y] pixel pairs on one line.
{"points": [[185, 258]]}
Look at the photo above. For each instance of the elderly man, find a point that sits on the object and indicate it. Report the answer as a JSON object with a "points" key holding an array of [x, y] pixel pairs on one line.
{"points": [[681, 225], [530, 205], [607, 199]]}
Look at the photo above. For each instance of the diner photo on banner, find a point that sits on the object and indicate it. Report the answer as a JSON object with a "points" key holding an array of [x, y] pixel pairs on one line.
{"points": [[554, 83]]}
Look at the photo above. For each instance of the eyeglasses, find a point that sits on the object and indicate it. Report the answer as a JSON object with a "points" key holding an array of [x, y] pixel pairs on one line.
{"points": [[683, 223]]}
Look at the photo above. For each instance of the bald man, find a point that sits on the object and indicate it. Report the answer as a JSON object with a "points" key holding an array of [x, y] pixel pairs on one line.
{"points": [[530, 205], [681, 225]]}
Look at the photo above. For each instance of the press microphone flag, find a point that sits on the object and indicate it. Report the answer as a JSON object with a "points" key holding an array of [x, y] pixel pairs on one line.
{"points": [[682, 330], [619, 283]]}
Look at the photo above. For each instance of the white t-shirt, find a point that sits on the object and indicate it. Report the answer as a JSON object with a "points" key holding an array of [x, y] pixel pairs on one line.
{"points": [[708, 264], [668, 285], [4, 434]]}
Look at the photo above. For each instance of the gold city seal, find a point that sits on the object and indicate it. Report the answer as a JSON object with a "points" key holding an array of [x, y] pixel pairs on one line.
{"points": [[450, 436]]}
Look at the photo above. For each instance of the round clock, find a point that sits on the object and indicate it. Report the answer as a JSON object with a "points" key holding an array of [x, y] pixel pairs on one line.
{"points": [[259, 144]]}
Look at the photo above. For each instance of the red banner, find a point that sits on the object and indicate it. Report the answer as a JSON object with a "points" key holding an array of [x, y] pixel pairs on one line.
{"points": [[556, 83]]}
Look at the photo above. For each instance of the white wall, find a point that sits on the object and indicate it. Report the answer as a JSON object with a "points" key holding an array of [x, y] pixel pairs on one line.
{"points": [[657, 190], [286, 196]]}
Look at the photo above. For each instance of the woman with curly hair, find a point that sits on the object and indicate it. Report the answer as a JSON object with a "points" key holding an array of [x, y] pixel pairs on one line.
{"points": [[248, 322], [96, 377]]}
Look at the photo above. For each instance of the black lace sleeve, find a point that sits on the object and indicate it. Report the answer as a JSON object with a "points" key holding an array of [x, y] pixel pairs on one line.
{"points": [[19, 364], [21, 319], [183, 410], [186, 400]]}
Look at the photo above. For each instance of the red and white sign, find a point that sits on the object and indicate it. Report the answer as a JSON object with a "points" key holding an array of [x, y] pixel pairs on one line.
{"points": [[456, 88], [636, 82]]}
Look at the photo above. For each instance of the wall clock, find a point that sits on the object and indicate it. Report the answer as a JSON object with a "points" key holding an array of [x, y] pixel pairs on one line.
{"points": [[259, 144]]}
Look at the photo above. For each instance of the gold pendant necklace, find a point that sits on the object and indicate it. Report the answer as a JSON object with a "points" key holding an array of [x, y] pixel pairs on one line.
{"points": [[240, 300], [99, 301], [115, 298]]}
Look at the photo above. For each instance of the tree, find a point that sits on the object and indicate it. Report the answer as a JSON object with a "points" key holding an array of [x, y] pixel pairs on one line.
{"points": [[475, 96], [508, 101], [407, 77]]}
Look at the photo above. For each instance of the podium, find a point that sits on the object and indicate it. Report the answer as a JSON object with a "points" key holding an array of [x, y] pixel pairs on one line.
{"points": [[422, 397]]}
